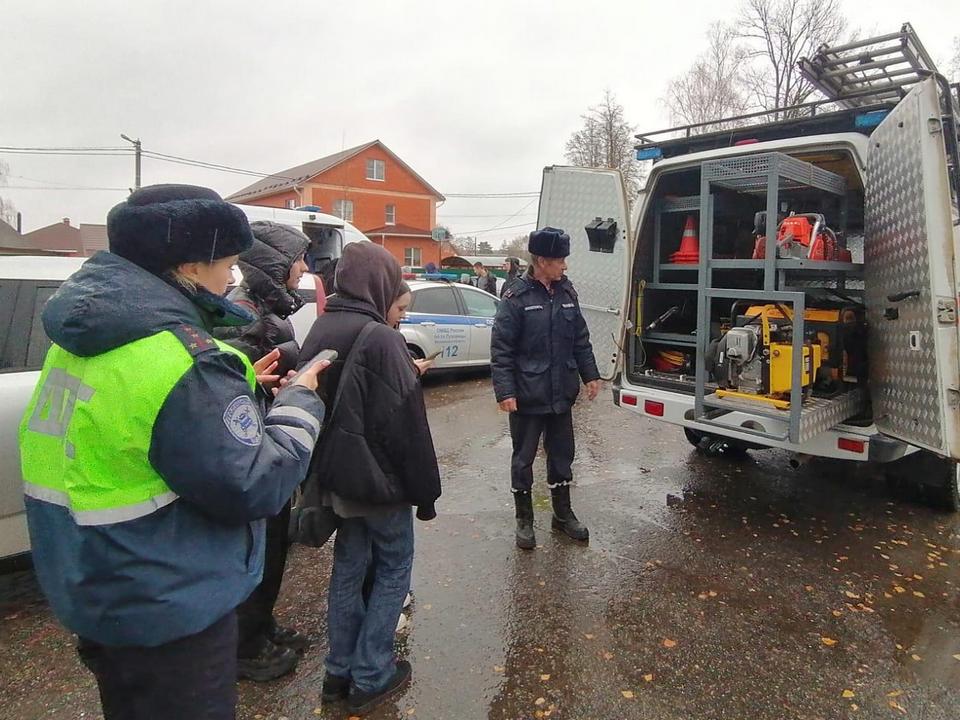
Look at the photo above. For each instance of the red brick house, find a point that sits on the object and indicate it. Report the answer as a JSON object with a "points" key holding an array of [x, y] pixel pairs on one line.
{"points": [[367, 185]]}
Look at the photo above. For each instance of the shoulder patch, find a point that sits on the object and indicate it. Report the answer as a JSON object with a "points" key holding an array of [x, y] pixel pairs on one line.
{"points": [[243, 421], [194, 339]]}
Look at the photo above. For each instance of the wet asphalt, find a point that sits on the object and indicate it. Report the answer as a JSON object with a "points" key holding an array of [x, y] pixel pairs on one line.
{"points": [[711, 588]]}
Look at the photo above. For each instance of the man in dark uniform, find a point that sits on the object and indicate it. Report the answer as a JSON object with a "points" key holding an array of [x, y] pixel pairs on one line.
{"points": [[540, 352]]}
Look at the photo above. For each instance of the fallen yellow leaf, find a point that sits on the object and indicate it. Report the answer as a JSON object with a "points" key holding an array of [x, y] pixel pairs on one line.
{"points": [[956, 657], [895, 693], [588, 636], [898, 589], [498, 668], [712, 593], [539, 701], [851, 595], [829, 642], [916, 657], [628, 694], [608, 656], [702, 596], [648, 677], [918, 594], [668, 643], [849, 694], [545, 677], [837, 613]]}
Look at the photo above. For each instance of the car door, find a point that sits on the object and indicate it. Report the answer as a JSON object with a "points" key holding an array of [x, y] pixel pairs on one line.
{"points": [[480, 308], [23, 346], [436, 313], [910, 274], [573, 198]]}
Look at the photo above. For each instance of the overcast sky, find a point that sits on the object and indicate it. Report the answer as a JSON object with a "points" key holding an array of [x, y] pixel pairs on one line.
{"points": [[477, 97]]}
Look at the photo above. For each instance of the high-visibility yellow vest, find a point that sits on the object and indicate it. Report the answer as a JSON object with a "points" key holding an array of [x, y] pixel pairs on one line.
{"points": [[85, 437]]}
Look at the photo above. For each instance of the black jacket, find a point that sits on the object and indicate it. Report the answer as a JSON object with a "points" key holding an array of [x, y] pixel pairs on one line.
{"points": [[266, 266], [376, 447], [488, 282], [540, 350]]}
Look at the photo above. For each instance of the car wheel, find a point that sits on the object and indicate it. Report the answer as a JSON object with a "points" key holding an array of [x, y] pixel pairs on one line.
{"points": [[942, 482], [415, 352]]}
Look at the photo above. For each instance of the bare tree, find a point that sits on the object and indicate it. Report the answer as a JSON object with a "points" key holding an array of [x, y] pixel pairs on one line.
{"points": [[8, 212], [778, 34], [606, 140], [516, 247], [955, 63], [712, 88]]}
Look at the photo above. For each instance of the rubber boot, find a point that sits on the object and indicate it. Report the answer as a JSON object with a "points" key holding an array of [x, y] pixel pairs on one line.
{"points": [[563, 517], [525, 537]]}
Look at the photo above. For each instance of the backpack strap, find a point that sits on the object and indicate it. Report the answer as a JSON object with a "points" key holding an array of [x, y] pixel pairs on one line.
{"points": [[351, 361]]}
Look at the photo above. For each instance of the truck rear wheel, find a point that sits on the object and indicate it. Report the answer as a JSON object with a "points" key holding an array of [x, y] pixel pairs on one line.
{"points": [[943, 484]]}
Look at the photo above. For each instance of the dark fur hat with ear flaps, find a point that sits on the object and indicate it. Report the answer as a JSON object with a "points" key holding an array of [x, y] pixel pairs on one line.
{"points": [[549, 242], [162, 226]]}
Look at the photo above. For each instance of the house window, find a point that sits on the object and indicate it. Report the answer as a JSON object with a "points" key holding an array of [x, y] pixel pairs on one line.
{"points": [[411, 257], [391, 215], [343, 209], [376, 169], [291, 204]]}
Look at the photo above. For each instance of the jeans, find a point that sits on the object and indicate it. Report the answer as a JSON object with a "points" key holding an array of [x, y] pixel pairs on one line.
{"points": [[192, 678], [558, 441], [361, 634]]}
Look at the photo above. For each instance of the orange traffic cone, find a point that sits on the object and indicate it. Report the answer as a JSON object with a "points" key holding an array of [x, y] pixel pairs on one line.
{"points": [[689, 251]]}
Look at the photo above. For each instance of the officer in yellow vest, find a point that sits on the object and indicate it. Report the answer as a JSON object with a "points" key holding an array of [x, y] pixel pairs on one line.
{"points": [[147, 465]]}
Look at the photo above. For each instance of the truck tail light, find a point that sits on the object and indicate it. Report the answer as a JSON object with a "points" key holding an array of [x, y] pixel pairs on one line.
{"points": [[651, 407], [628, 399], [854, 446]]}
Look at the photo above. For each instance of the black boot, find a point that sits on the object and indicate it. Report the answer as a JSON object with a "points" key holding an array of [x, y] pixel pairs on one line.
{"points": [[563, 517], [271, 662], [524, 503]]}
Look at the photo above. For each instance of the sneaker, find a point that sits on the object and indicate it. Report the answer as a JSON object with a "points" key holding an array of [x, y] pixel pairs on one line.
{"points": [[272, 662], [402, 622], [289, 638], [334, 688], [363, 702]]}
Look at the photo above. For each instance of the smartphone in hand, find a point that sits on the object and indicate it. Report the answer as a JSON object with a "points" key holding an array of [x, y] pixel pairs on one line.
{"points": [[434, 356]]}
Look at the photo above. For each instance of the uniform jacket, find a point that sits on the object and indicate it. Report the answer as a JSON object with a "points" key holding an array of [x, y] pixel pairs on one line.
{"points": [[177, 570], [540, 350], [266, 267], [386, 454]]}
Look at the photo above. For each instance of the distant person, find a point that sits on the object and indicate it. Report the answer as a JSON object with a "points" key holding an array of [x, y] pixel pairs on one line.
{"points": [[145, 497], [375, 461], [272, 268], [486, 280], [540, 353], [512, 267]]}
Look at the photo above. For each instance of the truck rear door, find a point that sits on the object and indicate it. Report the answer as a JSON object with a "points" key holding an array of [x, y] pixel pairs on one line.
{"points": [[910, 276], [571, 199]]}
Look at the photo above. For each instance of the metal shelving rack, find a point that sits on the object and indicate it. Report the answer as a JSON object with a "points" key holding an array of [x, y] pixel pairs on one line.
{"points": [[767, 175]]}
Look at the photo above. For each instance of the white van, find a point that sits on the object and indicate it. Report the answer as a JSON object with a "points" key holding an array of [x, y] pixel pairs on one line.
{"points": [[756, 340]]}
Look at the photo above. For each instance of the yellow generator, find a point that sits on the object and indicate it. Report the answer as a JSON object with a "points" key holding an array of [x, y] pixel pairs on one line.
{"points": [[755, 359]]}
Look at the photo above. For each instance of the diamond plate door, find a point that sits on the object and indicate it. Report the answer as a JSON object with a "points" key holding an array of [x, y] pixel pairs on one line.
{"points": [[570, 199], [908, 270]]}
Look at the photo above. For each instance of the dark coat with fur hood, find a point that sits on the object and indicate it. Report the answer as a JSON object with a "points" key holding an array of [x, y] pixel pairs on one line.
{"points": [[266, 267]]}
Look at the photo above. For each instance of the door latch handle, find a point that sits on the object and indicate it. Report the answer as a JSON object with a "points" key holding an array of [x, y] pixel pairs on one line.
{"points": [[900, 296]]}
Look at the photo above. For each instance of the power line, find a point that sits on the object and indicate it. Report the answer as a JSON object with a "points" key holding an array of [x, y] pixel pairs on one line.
{"points": [[62, 187], [61, 149], [211, 166], [492, 195], [489, 230], [496, 215]]}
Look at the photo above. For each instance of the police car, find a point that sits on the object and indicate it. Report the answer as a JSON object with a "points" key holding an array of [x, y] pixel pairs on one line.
{"points": [[451, 319]]}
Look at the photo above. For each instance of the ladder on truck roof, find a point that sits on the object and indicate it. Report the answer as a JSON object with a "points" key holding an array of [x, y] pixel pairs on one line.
{"points": [[860, 81], [871, 71]]}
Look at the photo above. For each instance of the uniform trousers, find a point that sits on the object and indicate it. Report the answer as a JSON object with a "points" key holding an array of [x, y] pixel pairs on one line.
{"points": [[557, 432], [191, 678]]}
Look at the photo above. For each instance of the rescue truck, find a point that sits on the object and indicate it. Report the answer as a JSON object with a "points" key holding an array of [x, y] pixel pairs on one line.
{"points": [[789, 279]]}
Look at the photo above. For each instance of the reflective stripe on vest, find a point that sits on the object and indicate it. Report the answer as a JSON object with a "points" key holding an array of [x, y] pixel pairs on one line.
{"points": [[85, 437]]}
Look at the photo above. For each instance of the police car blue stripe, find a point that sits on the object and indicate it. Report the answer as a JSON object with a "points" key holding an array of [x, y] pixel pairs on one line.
{"points": [[418, 319]]}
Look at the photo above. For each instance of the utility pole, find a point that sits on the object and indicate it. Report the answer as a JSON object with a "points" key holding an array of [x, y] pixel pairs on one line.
{"points": [[137, 147]]}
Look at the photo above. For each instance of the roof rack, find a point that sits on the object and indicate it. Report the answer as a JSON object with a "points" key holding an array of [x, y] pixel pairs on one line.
{"points": [[869, 71]]}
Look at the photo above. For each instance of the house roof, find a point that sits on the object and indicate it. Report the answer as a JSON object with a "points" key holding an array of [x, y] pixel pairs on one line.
{"points": [[399, 231], [291, 177], [59, 236], [8, 236]]}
